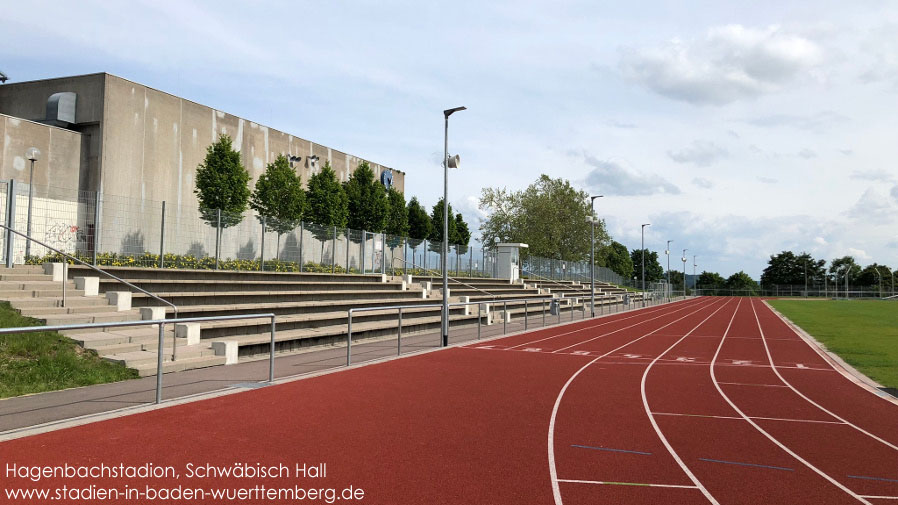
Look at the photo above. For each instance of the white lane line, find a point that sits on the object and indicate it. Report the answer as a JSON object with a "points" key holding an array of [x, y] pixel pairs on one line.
{"points": [[609, 321], [764, 432], [648, 411], [553, 473], [634, 484], [879, 497], [624, 328], [740, 419], [759, 385], [812, 402]]}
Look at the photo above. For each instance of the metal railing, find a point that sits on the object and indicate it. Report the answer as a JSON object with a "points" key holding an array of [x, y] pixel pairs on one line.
{"points": [[161, 323], [435, 273], [65, 275]]}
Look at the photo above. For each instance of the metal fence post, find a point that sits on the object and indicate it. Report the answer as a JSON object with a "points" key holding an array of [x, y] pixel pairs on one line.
{"points": [[399, 337], [383, 253], [217, 236], [479, 319], [425, 257], [162, 238], [301, 233], [262, 248], [96, 227], [559, 313], [405, 257], [544, 311], [362, 251], [349, 340], [334, 252], [347, 247], [271, 353], [10, 221], [525, 314], [504, 317], [65, 278], [159, 363]]}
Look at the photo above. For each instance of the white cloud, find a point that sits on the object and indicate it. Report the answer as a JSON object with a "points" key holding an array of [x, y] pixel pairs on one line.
{"points": [[819, 240], [613, 178], [881, 46], [767, 180], [894, 193], [732, 62], [699, 153], [807, 154], [819, 122], [873, 206], [858, 253], [876, 175], [702, 183]]}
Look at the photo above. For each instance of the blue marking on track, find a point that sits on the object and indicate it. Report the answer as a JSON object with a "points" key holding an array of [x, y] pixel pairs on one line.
{"points": [[871, 478], [612, 450], [746, 464]]}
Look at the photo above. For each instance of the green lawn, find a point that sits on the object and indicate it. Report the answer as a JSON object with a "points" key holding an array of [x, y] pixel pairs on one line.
{"points": [[863, 332], [47, 361]]}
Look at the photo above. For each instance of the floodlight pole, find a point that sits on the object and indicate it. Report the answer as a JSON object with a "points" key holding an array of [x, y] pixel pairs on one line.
{"points": [[880, 280], [667, 252], [444, 263], [643, 261], [693, 273], [592, 257], [32, 154], [684, 271]]}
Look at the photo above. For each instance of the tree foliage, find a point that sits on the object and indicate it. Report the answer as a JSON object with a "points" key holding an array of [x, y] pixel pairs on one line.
{"points": [[367, 200], [222, 184], [786, 268], [839, 266], [279, 197], [550, 215], [653, 269], [436, 232], [462, 234], [868, 276], [397, 214], [419, 223], [741, 281], [326, 204], [616, 257]]}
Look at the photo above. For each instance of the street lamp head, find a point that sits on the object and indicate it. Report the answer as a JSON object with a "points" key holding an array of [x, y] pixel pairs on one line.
{"points": [[448, 112], [33, 154], [646, 224]]}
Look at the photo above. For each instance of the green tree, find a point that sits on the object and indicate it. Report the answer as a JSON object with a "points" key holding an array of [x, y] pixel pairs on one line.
{"points": [[397, 214], [710, 282], [616, 257], [436, 233], [676, 280], [839, 266], [786, 268], [868, 277], [222, 184], [462, 234], [279, 198], [367, 200], [419, 224], [653, 269], [326, 205], [742, 284], [550, 215]]}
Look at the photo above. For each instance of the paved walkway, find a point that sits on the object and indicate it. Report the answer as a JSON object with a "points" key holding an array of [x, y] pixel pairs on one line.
{"points": [[21, 414]]}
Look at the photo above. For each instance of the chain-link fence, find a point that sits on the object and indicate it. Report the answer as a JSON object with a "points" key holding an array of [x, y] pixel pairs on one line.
{"points": [[111, 230]]}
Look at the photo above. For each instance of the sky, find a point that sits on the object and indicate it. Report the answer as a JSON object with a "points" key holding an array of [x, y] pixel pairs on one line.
{"points": [[736, 129]]}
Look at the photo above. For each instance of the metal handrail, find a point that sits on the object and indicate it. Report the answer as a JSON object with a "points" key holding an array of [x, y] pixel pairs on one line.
{"points": [[161, 323], [65, 279], [453, 304], [450, 278]]}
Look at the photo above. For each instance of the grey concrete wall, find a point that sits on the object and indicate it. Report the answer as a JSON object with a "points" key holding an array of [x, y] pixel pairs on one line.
{"points": [[60, 159], [28, 100]]}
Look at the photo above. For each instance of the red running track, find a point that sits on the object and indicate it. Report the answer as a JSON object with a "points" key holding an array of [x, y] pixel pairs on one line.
{"points": [[710, 400]]}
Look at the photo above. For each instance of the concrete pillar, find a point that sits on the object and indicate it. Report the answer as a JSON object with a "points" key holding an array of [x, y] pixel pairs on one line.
{"points": [[121, 299], [226, 348], [90, 285], [190, 331]]}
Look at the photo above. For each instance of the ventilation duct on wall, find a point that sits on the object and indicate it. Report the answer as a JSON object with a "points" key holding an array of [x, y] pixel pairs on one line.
{"points": [[61, 109]]}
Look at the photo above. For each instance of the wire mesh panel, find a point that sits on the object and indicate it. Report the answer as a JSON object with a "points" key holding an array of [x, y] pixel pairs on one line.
{"points": [[50, 215]]}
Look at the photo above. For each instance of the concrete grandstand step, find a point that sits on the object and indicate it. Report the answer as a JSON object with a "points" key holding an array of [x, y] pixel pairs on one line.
{"points": [[23, 277], [31, 302], [184, 299], [105, 317], [181, 364], [141, 359], [215, 285], [135, 273], [82, 309]]}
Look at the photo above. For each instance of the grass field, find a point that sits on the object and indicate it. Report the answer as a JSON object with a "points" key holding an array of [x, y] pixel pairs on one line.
{"points": [[863, 332], [48, 361]]}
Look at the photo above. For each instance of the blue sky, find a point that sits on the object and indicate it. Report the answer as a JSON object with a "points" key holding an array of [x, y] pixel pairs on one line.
{"points": [[737, 129]]}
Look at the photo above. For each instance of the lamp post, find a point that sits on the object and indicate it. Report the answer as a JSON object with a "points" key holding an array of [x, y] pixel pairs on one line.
{"points": [[880, 280], [445, 248], [667, 252], [684, 271], [693, 274], [643, 262], [32, 154], [592, 256], [847, 271]]}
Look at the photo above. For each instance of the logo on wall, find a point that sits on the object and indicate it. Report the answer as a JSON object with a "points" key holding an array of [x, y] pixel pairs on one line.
{"points": [[386, 178]]}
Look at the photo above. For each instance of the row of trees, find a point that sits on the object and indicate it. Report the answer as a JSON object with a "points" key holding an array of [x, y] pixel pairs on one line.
{"points": [[788, 268], [361, 203]]}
